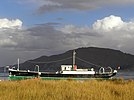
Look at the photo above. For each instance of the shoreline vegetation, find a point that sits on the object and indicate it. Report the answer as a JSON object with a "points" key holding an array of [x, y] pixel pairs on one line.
{"points": [[37, 89]]}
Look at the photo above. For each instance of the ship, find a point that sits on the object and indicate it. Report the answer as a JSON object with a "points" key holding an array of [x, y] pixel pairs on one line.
{"points": [[66, 72]]}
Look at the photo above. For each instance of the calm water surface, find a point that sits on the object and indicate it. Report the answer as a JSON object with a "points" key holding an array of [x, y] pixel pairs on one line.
{"points": [[125, 75]]}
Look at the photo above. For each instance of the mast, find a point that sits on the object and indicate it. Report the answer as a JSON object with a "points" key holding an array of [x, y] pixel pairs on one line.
{"points": [[74, 53], [18, 64]]}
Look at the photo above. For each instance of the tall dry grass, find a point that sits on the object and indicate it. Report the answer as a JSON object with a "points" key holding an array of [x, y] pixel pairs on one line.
{"points": [[36, 89]]}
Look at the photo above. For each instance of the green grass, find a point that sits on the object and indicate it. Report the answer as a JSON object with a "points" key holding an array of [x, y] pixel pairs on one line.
{"points": [[36, 89]]}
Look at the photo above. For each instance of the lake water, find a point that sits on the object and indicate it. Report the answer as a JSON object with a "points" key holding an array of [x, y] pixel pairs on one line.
{"points": [[124, 75], [3, 76]]}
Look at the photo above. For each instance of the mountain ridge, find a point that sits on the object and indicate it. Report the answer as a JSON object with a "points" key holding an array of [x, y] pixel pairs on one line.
{"points": [[98, 56], [91, 55]]}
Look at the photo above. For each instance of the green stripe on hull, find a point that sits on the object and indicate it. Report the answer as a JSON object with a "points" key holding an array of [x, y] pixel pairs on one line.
{"points": [[49, 78], [20, 77]]}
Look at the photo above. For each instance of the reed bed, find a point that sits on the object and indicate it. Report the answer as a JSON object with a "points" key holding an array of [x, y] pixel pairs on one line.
{"points": [[37, 89]]}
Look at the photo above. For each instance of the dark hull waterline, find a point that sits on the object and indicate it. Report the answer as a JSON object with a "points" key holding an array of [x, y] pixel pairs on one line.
{"points": [[52, 75]]}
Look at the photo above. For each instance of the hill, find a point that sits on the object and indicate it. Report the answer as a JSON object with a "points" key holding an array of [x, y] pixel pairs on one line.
{"points": [[85, 58]]}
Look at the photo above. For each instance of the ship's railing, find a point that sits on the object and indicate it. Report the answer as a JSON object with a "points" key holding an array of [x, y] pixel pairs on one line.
{"points": [[103, 70]]}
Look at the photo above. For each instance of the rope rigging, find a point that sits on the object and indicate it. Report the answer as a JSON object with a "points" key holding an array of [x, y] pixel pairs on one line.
{"points": [[86, 61], [74, 57], [62, 60], [50, 61]]}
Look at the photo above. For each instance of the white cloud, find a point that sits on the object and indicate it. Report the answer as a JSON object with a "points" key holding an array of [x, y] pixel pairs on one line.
{"points": [[108, 23], [12, 24], [113, 23], [9, 30], [115, 26]]}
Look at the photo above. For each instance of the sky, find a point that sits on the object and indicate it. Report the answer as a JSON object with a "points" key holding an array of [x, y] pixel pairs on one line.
{"points": [[33, 28]]}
